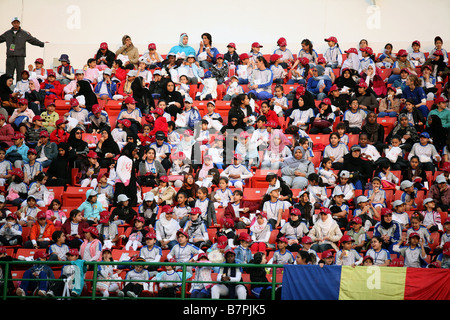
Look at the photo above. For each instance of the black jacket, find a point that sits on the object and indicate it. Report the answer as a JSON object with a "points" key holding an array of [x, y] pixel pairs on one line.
{"points": [[19, 39]]}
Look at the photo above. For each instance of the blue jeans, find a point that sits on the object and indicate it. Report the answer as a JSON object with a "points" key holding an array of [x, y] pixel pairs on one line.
{"points": [[263, 95], [299, 81], [30, 285], [391, 114]]}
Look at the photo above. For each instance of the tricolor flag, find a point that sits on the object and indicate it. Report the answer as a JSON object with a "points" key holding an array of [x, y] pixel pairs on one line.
{"points": [[311, 282]]}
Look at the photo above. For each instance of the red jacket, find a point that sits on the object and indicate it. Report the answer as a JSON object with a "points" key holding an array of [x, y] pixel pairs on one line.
{"points": [[66, 228], [229, 210], [160, 125], [121, 74], [48, 231], [57, 136], [57, 90], [272, 116], [6, 134]]}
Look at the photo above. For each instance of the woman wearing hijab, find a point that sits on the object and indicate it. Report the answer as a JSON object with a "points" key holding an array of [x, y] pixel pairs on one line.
{"points": [[295, 170], [303, 100], [406, 130], [8, 98], [35, 96], [438, 133], [346, 80], [59, 171], [183, 46], [277, 151], [142, 96], [78, 145], [325, 232], [362, 169], [374, 131], [129, 51], [173, 98], [107, 148], [84, 88], [127, 169], [318, 85], [389, 230]]}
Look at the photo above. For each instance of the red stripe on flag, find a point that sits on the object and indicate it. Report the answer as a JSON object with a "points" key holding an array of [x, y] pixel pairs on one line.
{"points": [[427, 284]]}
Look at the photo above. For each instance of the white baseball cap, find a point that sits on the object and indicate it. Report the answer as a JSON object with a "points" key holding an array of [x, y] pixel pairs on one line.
{"points": [[15, 19], [122, 198], [441, 179], [149, 196]]}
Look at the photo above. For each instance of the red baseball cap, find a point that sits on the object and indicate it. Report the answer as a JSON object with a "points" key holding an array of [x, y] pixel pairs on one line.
{"points": [[222, 242], [92, 230], [440, 99], [386, 211], [325, 210], [74, 102], [44, 133], [219, 56], [181, 231], [362, 84], [237, 156], [18, 135], [61, 121], [96, 108], [352, 50], [103, 45], [334, 88], [130, 100], [232, 45], [39, 60], [327, 101], [159, 111], [321, 60], [307, 239], [274, 57], [92, 154], [347, 238], [357, 220], [51, 73], [303, 60], [125, 122], [23, 102], [334, 39], [151, 46], [195, 210], [327, 254], [244, 236], [40, 254], [416, 42], [295, 212], [402, 53], [37, 118], [300, 91], [164, 179], [282, 239], [368, 50], [244, 56], [256, 45], [282, 42]]}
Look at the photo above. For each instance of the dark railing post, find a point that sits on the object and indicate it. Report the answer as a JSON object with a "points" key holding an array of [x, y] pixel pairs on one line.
{"points": [[94, 281], [274, 281], [183, 282], [5, 281]]}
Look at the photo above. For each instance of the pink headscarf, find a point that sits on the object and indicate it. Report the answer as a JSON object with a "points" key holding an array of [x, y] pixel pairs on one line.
{"points": [[284, 141]]}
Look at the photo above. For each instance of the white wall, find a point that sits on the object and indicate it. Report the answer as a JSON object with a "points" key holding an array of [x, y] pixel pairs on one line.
{"points": [[77, 27]]}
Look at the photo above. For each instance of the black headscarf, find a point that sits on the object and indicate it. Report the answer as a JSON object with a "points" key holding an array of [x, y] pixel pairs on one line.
{"points": [[109, 145], [86, 91], [142, 95], [78, 145], [5, 91]]}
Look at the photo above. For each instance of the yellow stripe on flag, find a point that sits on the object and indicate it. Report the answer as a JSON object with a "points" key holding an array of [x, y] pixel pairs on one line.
{"points": [[372, 283]]}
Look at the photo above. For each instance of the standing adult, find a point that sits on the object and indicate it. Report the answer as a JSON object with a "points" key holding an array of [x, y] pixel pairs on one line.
{"points": [[16, 39]]}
